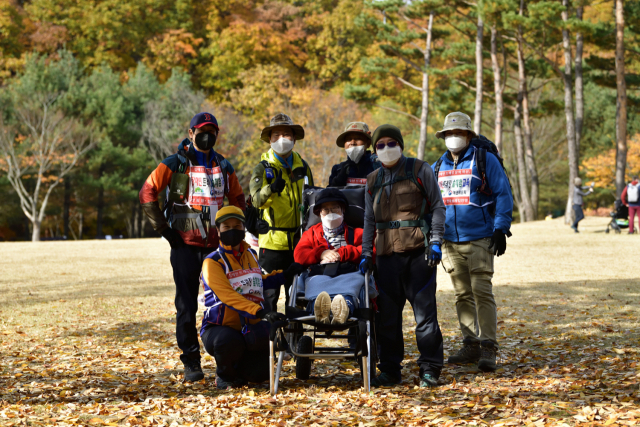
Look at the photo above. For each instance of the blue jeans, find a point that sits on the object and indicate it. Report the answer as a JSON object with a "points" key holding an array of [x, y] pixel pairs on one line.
{"points": [[579, 215]]}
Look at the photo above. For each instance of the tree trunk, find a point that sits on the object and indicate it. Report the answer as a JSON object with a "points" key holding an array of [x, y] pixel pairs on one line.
{"points": [[139, 219], [621, 104], [477, 118], [35, 234], [100, 205], [497, 88], [527, 212], [568, 112], [67, 205], [424, 116], [579, 85]]}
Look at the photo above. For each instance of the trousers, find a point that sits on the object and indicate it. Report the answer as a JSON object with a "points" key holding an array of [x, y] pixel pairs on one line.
{"points": [[579, 215], [187, 265], [633, 211], [275, 260], [470, 265], [407, 276]]}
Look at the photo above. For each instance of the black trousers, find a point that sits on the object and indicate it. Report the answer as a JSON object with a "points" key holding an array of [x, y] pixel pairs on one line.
{"points": [[407, 276], [579, 215], [238, 355], [275, 260], [187, 266]]}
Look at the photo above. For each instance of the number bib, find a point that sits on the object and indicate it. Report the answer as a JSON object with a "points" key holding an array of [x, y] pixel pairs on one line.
{"points": [[207, 187], [356, 181], [247, 283], [455, 186]]}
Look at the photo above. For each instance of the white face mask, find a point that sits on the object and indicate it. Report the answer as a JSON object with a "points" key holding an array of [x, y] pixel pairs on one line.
{"points": [[282, 146], [356, 153], [389, 156], [455, 143], [332, 220]]}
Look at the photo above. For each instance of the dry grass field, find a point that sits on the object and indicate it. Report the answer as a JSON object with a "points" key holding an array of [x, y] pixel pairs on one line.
{"points": [[87, 338]]}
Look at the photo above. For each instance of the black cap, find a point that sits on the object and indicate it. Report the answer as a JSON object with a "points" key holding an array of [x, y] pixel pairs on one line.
{"points": [[330, 195]]}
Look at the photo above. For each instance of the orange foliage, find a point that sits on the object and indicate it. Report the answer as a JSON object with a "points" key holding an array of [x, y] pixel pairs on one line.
{"points": [[602, 168], [173, 49]]}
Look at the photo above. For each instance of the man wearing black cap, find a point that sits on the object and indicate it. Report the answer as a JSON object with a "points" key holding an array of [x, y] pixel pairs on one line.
{"points": [[198, 179], [399, 197]]}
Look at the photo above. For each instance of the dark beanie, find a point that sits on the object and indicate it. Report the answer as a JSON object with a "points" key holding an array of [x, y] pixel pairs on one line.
{"points": [[387, 130]]}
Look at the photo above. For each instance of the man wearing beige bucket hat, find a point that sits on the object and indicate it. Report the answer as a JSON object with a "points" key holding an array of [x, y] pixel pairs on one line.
{"points": [[276, 187], [356, 140], [477, 195]]}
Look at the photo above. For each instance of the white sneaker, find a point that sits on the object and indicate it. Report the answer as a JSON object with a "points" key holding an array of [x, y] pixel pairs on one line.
{"points": [[339, 309], [322, 307]]}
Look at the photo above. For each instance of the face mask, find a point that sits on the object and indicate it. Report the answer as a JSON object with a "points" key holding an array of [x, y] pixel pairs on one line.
{"points": [[282, 146], [455, 143], [205, 141], [389, 156], [356, 153], [332, 220], [232, 237]]}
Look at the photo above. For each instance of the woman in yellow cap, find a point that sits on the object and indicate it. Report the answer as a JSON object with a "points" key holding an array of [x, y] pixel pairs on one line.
{"points": [[232, 330]]}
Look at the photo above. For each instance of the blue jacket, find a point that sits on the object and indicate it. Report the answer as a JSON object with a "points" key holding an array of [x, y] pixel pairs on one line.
{"points": [[484, 213], [367, 164]]}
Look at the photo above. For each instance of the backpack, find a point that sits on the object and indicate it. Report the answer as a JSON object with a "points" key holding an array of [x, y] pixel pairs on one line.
{"points": [[484, 146], [632, 193]]}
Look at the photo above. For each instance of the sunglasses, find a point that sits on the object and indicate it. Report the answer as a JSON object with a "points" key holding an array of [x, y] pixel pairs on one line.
{"points": [[390, 144]]}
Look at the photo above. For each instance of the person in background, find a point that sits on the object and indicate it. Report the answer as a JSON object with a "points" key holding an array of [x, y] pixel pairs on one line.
{"points": [[578, 194], [631, 198], [198, 179], [356, 140]]}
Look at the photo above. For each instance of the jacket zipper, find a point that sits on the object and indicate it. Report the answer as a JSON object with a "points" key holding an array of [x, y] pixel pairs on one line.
{"points": [[455, 212]]}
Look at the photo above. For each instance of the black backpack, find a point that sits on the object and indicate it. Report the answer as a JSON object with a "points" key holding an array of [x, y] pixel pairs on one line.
{"points": [[484, 146]]}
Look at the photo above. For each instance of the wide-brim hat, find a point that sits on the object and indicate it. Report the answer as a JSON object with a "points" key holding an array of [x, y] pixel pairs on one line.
{"points": [[354, 127], [282, 119], [229, 212], [330, 195], [456, 121]]}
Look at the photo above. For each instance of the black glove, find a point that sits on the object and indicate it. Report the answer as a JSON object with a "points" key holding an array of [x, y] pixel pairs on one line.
{"points": [[292, 270], [173, 237], [278, 185], [271, 316], [340, 180], [498, 243], [366, 264]]}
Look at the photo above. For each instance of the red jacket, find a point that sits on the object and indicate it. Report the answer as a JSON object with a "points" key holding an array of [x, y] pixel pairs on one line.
{"points": [[313, 243]]}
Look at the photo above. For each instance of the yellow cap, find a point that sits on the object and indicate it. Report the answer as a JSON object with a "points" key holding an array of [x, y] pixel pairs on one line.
{"points": [[229, 212]]}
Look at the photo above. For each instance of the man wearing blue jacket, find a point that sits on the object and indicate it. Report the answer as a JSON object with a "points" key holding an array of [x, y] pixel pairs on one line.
{"points": [[479, 210]]}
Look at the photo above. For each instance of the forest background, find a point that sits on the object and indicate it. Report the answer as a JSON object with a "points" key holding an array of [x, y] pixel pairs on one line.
{"points": [[95, 93]]}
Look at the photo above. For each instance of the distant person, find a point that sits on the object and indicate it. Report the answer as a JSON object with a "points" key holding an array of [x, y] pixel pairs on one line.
{"points": [[631, 198], [479, 213], [277, 183], [198, 179], [578, 194], [356, 140]]}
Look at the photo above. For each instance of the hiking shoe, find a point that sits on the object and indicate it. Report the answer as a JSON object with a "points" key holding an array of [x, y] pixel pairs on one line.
{"points": [[193, 371], [469, 353], [322, 307], [428, 381], [386, 380], [488, 352], [339, 309], [226, 385], [575, 228]]}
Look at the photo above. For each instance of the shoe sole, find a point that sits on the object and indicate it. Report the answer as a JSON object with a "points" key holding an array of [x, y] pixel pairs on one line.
{"points": [[197, 378], [339, 309], [322, 308], [466, 362], [487, 368]]}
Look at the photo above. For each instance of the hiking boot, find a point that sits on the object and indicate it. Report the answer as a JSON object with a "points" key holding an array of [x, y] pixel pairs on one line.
{"points": [[339, 309], [322, 308], [226, 385], [575, 228], [193, 371], [469, 353], [488, 352], [428, 381], [386, 380]]}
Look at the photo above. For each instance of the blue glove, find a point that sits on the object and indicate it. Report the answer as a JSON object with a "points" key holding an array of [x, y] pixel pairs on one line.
{"points": [[435, 254], [366, 264]]}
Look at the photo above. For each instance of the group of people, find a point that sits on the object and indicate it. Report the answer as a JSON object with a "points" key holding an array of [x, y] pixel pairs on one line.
{"points": [[458, 212]]}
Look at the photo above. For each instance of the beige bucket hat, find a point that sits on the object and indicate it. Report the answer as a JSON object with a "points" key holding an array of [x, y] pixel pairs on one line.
{"points": [[356, 127], [454, 121]]}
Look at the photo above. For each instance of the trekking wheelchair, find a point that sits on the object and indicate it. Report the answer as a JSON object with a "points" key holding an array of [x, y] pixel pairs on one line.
{"points": [[300, 335]]}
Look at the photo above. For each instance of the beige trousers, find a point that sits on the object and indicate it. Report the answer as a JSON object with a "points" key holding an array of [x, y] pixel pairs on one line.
{"points": [[470, 266]]}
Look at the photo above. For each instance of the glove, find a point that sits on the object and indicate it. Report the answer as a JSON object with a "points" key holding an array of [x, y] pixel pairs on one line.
{"points": [[271, 316], [366, 264], [498, 243], [340, 179], [173, 237], [278, 185], [292, 270], [435, 254]]}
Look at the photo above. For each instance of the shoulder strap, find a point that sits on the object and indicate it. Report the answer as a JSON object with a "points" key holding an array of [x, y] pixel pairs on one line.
{"points": [[222, 162], [377, 184], [350, 235], [436, 168], [411, 171], [481, 161]]}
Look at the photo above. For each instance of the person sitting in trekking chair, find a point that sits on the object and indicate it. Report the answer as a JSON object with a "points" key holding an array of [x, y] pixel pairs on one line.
{"points": [[332, 250], [477, 194]]}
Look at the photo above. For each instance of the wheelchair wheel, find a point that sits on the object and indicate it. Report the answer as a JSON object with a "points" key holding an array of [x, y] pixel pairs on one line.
{"points": [[607, 230], [303, 364]]}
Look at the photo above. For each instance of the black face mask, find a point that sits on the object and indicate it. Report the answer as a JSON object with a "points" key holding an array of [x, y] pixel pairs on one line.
{"points": [[205, 141], [232, 237]]}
